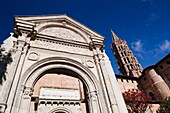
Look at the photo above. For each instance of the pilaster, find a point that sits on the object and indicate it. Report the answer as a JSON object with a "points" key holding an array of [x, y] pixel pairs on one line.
{"points": [[26, 99], [8, 95], [104, 101], [16, 88], [9, 83], [111, 84], [92, 99]]}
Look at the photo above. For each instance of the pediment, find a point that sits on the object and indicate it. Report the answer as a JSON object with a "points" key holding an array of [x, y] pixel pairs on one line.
{"points": [[63, 33], [61, 26]]}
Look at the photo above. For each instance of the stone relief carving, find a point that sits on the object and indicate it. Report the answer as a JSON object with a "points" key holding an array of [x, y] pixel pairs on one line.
{"points": [[33, 56], [27, 92], [62, 33], [89, 63], [60, 47], [92, 95]]}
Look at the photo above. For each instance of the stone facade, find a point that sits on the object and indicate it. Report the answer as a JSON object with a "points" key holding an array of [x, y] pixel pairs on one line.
{"points": [[58, 66]]}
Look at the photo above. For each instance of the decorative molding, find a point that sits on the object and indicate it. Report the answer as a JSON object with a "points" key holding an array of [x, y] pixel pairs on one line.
{"points": [[33, 56], [92, 95], [27, 92], [60, 46], [90, 63], [24, 27], [62, 33], [56, 102]]}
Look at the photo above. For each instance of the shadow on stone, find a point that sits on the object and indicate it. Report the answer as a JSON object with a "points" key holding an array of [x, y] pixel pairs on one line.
{"points": [[5, 59]]}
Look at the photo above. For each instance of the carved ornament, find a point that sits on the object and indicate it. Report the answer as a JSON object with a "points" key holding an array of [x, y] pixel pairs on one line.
{"points": [[89, 63], [62, 33], [33, 56], [65, 47]]}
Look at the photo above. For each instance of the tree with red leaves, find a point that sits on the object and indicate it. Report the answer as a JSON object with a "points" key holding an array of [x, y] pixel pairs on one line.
{"points": [[136, 100]]}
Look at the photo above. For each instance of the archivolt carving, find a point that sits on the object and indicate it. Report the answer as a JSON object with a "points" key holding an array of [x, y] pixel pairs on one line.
{"points": [[62, 33], [60, 109]]}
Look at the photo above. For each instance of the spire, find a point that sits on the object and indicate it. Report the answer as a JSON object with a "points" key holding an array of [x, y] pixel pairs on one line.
{"points": [[114, 36]]}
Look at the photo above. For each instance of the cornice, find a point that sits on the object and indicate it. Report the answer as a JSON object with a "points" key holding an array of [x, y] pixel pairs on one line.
{"points": [[53, 18]]}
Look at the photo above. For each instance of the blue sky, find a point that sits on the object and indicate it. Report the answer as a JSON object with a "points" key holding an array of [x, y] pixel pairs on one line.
{"points": [[144, 24]]}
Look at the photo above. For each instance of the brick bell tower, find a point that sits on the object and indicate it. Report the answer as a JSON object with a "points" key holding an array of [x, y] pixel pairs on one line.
{"points": [[127, 63]]}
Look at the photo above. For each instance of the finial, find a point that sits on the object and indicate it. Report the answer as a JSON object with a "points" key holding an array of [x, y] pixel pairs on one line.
{"points": [[114, 36]]}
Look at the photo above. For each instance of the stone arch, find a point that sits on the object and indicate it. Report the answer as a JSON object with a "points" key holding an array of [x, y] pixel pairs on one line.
{"points": [[46, 25], [34, 72], [83, 73], [61, 109]]}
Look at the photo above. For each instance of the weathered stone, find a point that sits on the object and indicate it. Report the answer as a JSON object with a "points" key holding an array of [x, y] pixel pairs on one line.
{"points": [[59, 66]]}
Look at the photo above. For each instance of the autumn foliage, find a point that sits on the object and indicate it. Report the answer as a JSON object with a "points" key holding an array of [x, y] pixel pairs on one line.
{"points": [[136, 100]]}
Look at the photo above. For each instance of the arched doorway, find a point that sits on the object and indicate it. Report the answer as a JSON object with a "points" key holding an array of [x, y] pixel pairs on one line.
{"points": [[57, 89], [67, 68], [60, 110]]}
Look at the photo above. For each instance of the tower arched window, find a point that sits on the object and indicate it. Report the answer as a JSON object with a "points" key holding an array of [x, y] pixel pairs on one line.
{"points": [[128, 67], [131, 66], [128, 59], [122, 54], [119, 47], [125, 53], [125, 60]]}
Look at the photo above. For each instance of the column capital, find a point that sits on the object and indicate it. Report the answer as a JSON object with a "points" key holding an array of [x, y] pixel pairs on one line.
{"points": [[92, 95], [96, 44], [27, 92], [24, 29]]}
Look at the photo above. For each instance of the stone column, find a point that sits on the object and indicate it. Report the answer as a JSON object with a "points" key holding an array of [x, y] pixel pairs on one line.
{"points": [[24, 31], [117, 104], [104, 102], [22, 40], [113, 103], [93, 103], [8, 85], [26, 100]]}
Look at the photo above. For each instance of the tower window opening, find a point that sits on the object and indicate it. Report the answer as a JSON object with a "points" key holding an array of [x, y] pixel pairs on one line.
{"points": [[131, 66], [121, 47], [125, 60], [128, 67], [128, 59], [125, 53], [122, 54]]}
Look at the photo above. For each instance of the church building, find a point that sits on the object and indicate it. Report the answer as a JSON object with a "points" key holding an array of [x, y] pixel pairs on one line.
{"points": [[59, 66]]}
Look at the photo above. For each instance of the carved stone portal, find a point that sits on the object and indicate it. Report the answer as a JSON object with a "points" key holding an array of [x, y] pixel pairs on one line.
{"points": [[59, 68]]}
